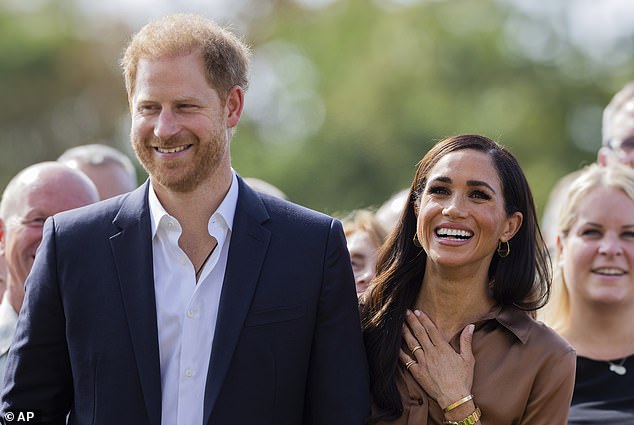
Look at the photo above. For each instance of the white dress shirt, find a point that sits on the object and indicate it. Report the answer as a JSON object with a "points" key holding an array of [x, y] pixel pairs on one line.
{"points": [[8, 325], [187, 311]]}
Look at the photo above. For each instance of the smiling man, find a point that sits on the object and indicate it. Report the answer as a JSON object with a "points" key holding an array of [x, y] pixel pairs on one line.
{"points": [[193, 299], [35, 193]]}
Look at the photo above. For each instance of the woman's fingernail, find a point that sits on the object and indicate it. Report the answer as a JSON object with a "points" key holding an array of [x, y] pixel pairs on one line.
{"points": [[417, 313]]}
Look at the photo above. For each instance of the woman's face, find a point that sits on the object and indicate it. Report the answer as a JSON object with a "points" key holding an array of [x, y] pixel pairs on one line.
{"points": [[363, 254], [461, 213], [598, 253]]}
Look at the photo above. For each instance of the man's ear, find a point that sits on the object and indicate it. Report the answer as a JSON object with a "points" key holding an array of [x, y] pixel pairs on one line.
{"points": [[602, 156], [2, 239], [233, 106]]}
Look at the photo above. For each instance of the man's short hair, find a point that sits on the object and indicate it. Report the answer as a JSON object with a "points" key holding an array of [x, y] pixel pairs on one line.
{"points": [[226, 57]]}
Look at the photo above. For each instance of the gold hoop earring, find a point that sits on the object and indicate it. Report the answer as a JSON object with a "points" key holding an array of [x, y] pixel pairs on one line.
{"points": [[504, 252], [416, 241]]}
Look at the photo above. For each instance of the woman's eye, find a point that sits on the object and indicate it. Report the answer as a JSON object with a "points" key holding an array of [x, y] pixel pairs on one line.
{"points": [[628, 235], [438, 190], [479, 194], [590, 232]]}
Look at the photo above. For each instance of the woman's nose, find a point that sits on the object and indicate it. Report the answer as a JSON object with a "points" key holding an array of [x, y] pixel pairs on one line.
{"points": [[454, 208], [364, 276], [610, 246]]}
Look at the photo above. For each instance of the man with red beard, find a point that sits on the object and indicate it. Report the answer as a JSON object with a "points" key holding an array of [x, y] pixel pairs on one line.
{"points": [[193, 299]]}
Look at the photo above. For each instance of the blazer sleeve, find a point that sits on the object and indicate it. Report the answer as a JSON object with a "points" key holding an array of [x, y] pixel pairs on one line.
{"points": [[338, 386], [38, 376]]}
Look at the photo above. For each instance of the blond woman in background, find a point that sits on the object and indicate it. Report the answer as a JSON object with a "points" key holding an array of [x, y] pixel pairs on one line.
{"points": [[593, 293]]}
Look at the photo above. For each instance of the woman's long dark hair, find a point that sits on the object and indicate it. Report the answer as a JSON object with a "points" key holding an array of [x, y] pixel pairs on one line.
{"points": [[522, 279]]}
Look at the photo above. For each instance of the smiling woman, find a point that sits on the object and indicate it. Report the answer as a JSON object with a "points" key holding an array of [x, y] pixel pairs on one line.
{"points": [[364, 236], [593, 303], [447, 320]]}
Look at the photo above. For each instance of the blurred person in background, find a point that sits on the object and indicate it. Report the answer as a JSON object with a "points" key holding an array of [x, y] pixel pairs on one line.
{"points": [[617, 141], [192, 299], [448, 320], [389, 213], [3, 277], [110, 170], [34, 194], [618, 128], [593, 292], [364, 236], [265, 187]]}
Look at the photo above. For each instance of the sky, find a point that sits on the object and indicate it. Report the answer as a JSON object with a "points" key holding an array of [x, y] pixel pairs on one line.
{"points": [[594, 25]]}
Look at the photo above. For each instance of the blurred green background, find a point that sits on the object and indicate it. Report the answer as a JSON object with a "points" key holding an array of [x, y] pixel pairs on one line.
{"points": [[346, 95]]}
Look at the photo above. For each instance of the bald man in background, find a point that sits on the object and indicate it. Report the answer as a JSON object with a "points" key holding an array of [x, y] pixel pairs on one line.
{"points": [[617, 143], [109, 169], [34, 194]]}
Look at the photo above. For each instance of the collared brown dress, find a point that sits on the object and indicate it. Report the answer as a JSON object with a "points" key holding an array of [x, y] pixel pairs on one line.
{"points": [[524, 375]]}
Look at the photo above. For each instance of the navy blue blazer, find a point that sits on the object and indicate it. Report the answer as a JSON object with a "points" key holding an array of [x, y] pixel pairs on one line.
{"points": [[287, 347]]}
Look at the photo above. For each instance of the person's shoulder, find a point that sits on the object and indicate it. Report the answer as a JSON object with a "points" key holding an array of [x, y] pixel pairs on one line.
{"points": [[545, 339], [286, 210], [100, 212], [535, 335]]}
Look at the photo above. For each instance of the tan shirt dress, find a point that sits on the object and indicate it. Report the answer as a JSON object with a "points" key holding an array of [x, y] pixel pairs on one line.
{"points": [[524, 375]]}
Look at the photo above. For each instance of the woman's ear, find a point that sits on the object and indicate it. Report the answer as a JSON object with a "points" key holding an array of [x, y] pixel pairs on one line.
{"points": [[513, 224], [560, 247]]}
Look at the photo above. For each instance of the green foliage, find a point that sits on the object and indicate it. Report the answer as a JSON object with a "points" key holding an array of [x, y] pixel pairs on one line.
{"points": [[394, 82], [390, 82], [58, 89]]}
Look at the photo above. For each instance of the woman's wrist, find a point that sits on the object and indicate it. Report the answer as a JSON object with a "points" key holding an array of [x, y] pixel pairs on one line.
{"points": [[457, 403], [471, 419], [461, 412], [449, 398]]}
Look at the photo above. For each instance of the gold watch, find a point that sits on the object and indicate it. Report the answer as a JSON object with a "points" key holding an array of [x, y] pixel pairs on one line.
{"points": [[469, 420]]}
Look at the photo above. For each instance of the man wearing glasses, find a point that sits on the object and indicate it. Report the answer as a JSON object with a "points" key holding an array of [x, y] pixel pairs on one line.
{"points": [[617, 143], [618, 128]]}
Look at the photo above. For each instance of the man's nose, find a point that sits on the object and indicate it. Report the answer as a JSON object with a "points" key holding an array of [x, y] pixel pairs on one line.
{"points": [[166, 124]]}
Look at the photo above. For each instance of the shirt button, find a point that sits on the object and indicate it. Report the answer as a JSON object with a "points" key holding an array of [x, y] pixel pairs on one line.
{"points": [[190, 313], [420, 401], [189, 373]]}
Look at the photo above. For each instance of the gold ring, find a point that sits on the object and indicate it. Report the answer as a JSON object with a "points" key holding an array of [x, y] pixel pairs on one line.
{"points": [[409, 364], [418, 347]]}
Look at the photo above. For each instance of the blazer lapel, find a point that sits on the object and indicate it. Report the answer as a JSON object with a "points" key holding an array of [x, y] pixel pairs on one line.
{"points": [[132, 251], [249, 243]]}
